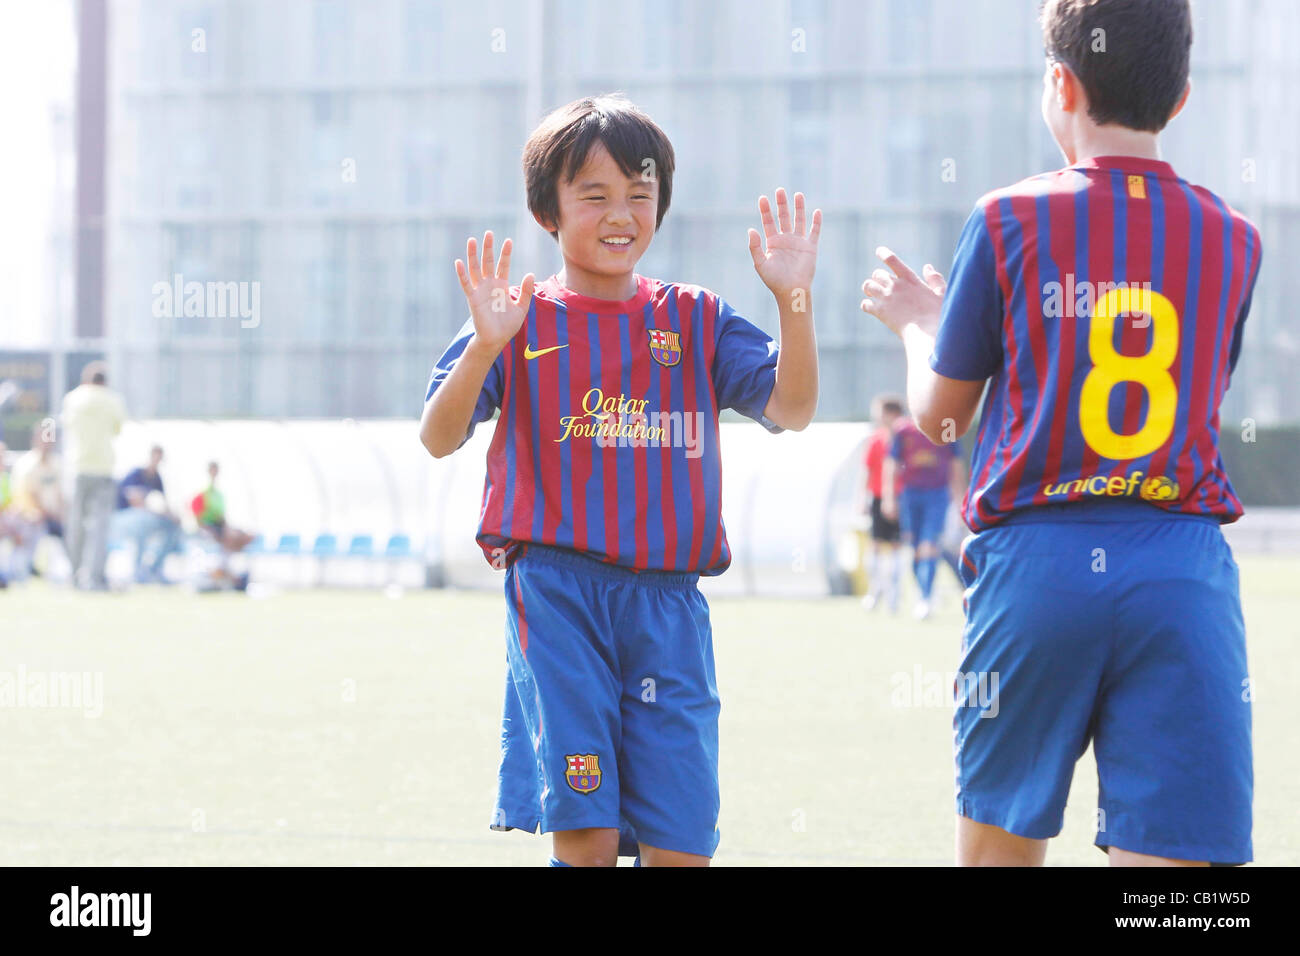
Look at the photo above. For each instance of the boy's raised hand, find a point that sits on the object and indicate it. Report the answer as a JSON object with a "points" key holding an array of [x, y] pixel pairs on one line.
{"points": [[486, 283], [791, 256], [901, 298]]}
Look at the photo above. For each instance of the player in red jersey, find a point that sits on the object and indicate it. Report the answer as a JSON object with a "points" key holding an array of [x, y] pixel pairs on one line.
{"points": [[882, 569]]}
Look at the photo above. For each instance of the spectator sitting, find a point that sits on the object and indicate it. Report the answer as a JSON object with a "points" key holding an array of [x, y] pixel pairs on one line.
{"points": [[38, 499], [209, 507], [142, 516], [8, 518]]}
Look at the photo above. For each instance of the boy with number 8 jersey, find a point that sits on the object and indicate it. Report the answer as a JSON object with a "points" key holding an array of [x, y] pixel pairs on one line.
{"points": [[1103, 305], [603, 491]]}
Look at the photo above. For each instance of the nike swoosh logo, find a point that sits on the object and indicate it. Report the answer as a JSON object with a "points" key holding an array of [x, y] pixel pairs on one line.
{"points": [[530, 354]]}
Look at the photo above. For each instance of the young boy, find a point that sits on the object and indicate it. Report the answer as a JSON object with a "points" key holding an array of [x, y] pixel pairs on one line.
{"points": [[602, 498], [1099, 586]]}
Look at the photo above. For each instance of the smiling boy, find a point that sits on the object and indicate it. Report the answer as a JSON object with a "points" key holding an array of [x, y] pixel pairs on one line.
{"points": [[603, 492]]}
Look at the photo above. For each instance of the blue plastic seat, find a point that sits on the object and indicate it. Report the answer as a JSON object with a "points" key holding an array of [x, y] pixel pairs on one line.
{"points": [[289, 544], [326, 546], [362, 546], [399, 546]]}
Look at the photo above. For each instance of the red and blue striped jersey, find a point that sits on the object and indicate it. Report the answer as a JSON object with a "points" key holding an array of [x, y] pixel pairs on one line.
{"points": [[608, 442], [923, 465], [1106, 302]]}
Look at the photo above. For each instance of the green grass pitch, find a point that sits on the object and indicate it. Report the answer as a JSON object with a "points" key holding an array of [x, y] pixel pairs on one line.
{"points": [[340, 728]]}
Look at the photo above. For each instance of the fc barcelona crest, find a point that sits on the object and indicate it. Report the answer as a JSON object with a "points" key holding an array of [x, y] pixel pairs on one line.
{"points": [[582, 771], [665, 346]]}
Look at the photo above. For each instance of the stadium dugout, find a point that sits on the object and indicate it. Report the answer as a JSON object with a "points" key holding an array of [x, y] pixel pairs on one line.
{"points": [[362, 504]]}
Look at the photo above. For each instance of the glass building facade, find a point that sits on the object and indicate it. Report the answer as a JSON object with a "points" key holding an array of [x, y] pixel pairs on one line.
{"points": [[339, 153]]}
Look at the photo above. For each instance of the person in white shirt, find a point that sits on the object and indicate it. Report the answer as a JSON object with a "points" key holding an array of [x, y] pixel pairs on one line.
{"points": [[92, 417]]}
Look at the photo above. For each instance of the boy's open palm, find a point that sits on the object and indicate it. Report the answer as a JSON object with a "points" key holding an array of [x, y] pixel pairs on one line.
{"points": [[901, 297], [791, 256], [486, 283]]}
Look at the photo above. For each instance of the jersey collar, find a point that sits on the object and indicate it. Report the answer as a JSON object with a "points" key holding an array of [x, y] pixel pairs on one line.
{"points": [[572, 300], [1129, 164]]}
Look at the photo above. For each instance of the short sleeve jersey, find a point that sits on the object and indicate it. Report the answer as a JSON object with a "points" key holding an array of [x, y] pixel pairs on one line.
{"points": [[1106, 302], [607, 440]]}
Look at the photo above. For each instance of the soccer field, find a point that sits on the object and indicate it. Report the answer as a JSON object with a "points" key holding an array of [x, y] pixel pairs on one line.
{"points": [[338, 728]]}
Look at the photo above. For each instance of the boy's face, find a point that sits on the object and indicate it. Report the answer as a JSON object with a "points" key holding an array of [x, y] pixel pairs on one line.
{"points": [[607, 220]]}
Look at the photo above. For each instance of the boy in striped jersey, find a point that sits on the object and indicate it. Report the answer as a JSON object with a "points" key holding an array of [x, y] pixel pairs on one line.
{"points": [[603, 492], [1103, 305]]}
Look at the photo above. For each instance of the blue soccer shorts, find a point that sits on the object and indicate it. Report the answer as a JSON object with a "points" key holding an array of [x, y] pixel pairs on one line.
{"points": [[1120, 625], [922, 513], [611, 705]]}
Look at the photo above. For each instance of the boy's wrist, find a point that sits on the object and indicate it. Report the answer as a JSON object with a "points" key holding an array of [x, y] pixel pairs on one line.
{"points": [[918, 330], [796, 300], [480, 350]]}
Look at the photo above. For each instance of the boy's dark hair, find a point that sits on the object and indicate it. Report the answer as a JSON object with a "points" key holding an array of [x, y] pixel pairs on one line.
{"points": [[561, 142], [1131, 56]]}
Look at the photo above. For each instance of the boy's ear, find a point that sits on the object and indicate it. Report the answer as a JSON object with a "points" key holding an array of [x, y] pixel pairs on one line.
{"points": [[1182, 101], [545, 224], [1067, 88]]}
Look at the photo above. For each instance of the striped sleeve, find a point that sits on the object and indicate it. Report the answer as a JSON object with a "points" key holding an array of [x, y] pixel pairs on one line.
{"points": [[968, 346], [489, 397], [744, 366]]}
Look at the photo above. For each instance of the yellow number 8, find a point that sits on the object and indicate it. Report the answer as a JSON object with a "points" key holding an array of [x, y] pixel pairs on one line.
{"points": [[1110, 368]]}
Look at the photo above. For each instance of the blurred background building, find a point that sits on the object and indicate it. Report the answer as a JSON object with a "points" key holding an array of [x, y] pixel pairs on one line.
{"points": [[338, 153]]}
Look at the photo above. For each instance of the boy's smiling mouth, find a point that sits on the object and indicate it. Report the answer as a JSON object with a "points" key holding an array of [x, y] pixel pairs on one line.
{"points": [[616, 242]]}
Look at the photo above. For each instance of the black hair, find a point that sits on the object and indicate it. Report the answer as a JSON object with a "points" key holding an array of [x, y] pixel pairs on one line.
{"points": [[561, 142]]}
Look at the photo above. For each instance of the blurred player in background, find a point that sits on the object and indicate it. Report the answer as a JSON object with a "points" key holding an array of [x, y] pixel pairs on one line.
{"points": [[1100, 587], [882, 568], [918, 483], [603, 491]]}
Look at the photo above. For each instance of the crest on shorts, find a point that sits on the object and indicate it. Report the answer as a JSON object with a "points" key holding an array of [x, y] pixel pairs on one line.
{"points": [[665, 346], [582, 771]]}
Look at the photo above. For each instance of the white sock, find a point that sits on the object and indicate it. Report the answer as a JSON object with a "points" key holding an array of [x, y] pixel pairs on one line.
{"points": [[893, 577]]}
